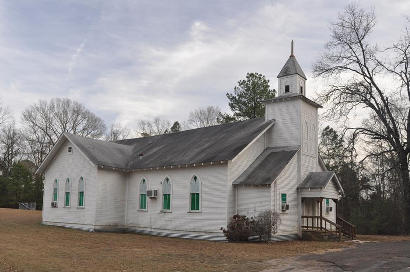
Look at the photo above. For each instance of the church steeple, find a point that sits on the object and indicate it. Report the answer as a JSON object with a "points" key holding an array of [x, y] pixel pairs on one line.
{"points": [[292, 79]]}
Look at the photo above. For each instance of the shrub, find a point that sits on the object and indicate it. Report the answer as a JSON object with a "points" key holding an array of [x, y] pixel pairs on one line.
{"points": [[239, 229], [265, 224]]}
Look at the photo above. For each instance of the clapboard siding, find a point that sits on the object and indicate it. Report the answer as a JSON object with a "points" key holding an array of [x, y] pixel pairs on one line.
{"points": [[287, 183], [72, 166], [286, 131], [239, 164], [211, 218], [309, 135], [253, 200], [111, 198]]}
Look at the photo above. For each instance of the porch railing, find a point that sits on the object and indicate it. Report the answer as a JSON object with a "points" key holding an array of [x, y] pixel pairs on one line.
{"points": [[320, 223], [348, 228]]}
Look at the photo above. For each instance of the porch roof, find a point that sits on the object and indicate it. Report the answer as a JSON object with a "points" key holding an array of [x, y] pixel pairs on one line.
{"points": [[319, 180]]}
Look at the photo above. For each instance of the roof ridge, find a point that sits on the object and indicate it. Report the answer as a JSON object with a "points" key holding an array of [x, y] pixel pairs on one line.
{"points": [[190, 130]]}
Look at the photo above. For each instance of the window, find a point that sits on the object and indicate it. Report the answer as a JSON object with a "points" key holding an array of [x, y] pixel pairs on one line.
{"points": [[284, 206], [81, 187], [301, 89], [195, 189], [70, 149], [143, 195], [166, 195], [67, 193], [55, 190], [286, 88], [283, 197], [327, 202]]}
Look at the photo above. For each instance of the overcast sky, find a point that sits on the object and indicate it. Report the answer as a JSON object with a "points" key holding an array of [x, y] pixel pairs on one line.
{"points": [[130, 60]]}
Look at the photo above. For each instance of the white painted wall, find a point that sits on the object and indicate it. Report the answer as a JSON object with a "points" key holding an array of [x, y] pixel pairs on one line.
{"points": [[239, 164], [286, 131], [110, 206], [287, 183], [294, 82], [252, 200], [72, 166], [309, 136], [214, 203]]}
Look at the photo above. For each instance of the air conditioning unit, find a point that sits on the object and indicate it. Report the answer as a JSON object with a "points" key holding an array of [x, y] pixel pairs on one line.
{"points": [[328, 209], [53, 204], [285, 207], [152, 193]]}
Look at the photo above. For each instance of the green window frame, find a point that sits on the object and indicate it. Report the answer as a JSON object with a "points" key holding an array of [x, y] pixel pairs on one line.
{"points": [[55, 190], [143, 195], [81, 189], [166, 195], [327, 202], [80, 199], [166, 202], [194, 201], [143, 201], [67, 199], [284, 198], [195, 194], [67, 193]]}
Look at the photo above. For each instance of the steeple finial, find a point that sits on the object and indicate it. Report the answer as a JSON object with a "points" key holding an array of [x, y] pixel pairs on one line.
{"points": [[291, 48]]}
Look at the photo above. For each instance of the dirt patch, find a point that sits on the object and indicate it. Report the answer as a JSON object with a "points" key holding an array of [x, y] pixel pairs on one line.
{"points": [[26, 245]]}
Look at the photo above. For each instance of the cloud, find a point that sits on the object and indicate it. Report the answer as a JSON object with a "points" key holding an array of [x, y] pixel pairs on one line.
{"points": [[75, 56], [146, 59]]}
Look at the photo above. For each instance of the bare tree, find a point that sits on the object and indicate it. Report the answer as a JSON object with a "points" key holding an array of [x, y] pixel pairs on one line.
{"points": [[156, 127], [351, 56], [10, 146], [4, 114], [117, 132], [44, 122], [204, 117]]}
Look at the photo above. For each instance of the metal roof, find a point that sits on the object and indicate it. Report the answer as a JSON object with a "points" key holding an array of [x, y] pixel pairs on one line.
{"points": [[291, 67], [319, 180], [203, 145], [267, 167]]}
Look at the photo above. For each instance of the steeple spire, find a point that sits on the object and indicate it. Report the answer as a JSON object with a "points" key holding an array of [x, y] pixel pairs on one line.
{"points": [[291, 49], [291, 77]]}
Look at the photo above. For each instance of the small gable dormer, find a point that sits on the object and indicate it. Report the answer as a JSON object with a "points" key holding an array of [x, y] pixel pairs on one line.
{"points": [[291, 79]]}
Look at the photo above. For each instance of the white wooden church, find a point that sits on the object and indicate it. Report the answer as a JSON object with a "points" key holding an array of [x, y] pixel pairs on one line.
{"points": [[189, 184]]}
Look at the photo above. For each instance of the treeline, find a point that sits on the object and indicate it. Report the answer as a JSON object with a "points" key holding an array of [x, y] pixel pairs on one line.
{"points": [[371, 151], [373, 194]]}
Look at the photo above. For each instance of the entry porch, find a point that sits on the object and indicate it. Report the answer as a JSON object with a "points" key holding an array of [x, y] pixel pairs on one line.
{"points": [[320, 193]]}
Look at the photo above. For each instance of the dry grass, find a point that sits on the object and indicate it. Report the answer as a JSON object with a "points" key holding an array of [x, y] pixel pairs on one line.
{"points": [[26, 245], [383, 238]]}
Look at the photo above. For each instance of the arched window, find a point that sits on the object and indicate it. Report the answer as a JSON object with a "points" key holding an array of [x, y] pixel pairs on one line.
{"points": [[81, 189], [195, 190], [55, 190], [67, 193], [143, 194], [166, 195]]}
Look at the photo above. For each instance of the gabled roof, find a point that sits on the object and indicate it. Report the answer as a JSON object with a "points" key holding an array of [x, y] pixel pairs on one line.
{"points": [[319, 180], [202, 145], [267, 167], [291, 67]]}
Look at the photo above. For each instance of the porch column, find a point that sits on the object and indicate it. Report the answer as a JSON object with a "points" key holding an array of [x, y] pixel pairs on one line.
{"points": [[321, 212]]}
